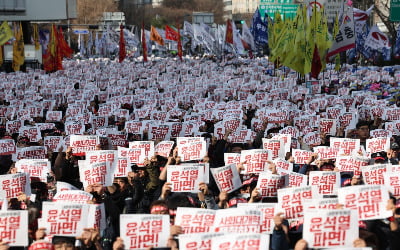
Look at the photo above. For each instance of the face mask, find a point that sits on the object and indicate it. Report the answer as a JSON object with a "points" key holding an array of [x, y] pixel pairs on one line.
{"points": [[244, 195]]}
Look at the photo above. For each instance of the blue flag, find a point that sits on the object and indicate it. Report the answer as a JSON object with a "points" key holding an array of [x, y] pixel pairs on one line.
{"points": [[259, 29], [396, 48]]}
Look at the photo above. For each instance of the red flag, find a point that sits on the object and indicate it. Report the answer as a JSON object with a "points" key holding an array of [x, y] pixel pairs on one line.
{"points": [[50, 59], [170, 33], [65, 50], [316, 65], [122, 50], [179, 45], [229, 32], [144, 46]]}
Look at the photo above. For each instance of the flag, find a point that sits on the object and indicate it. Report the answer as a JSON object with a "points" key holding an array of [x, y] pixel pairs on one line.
{"points": [[237, 40], [122, 50], [36, 36], [247, 36], [5, 33], [229, 32], [155, 36], [188, 29], [316, 65], [396, 49], [345, 39], [1, 55], [18, 48], [170, 33], [180, 53], [51, 61], [144, 46], [259, 28], [64, 49], [376, 39]]}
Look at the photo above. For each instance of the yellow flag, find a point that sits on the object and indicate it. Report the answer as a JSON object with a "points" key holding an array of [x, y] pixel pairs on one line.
{"points": [[36, 36], [5, 33], [18, 49]]}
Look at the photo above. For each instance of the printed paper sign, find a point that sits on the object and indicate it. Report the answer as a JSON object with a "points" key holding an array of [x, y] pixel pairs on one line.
{"points": [[326, 153], [143, 231], [118, 138], [346, 146], [74, 196], [268, 184], [7, 147], [148, 147], [275, 146], [164, 148], [327, 126], [197, 241], [351, 164], [65, 219], [109, 156], [64, 186], [96, 173], [328, 182], [324, 203], [227, 178], [283, 166], [312, 138], [377, 133], [240, 241], [54, 116], [185, 178], [51, 142], [190, 149], [231, 158], [293, 179], [301, 156], [269, 210], [13, 127], [237, 220], [97, 216], [133, 155], [392, 182], [291, 200], [287, 140], [369, 200], [379, 144], [373, 174], [33, 133], [330, 228], [32, 152], [13, 184], [194, 220], [36, 168], [74, 127], [134, 127], [255, 159], [14, 227], [83, 143], [159, 132]]}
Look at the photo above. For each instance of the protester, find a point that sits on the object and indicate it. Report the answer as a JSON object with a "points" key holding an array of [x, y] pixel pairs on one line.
{"points": [[182, 149]]}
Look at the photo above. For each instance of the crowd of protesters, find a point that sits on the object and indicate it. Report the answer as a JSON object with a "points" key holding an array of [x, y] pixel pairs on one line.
{"points": [[188, 85]]}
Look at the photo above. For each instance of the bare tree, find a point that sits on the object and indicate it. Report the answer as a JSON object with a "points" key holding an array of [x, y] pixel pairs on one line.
{"points": [[91, 11]]}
